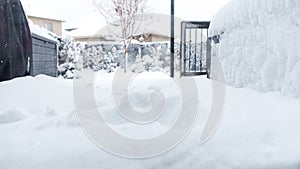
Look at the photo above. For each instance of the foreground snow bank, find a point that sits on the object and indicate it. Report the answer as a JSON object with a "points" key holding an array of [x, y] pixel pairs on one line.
{"points": [[259, 45], [39, 128]]}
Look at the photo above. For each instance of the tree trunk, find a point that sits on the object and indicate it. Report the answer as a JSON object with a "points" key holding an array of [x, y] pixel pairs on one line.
{"points": [[126, 61]]}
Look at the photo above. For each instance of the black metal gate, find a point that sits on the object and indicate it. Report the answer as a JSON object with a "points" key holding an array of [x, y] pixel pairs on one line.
{"points": [[193, 50]]}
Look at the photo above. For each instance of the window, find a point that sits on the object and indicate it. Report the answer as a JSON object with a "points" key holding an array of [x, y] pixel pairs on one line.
{"points": [[49, 26]]}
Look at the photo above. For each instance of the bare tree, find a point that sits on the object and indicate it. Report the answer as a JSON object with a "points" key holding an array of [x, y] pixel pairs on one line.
{"points": [[124, 12]]}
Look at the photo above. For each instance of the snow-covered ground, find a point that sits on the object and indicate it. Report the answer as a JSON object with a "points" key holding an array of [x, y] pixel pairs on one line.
{"points": [[39, 127], [259, 45]]}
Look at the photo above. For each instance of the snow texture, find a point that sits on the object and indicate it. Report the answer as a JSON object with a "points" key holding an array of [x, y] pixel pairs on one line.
{"points": [[259, 44], [257, 131]]}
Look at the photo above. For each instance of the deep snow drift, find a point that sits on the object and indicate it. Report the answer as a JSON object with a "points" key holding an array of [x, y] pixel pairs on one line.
{"points": [[259, 46], [39, 127]]}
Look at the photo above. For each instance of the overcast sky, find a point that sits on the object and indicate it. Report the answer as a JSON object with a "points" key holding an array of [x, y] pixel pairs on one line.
{"points": [[71, 10], [83, 15], [189, 9]]}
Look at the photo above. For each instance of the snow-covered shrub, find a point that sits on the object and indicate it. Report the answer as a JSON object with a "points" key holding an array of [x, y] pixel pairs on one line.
{"points": [[142, 57], [259, 45], [155, 57], [101, 57], [149, 57], [68, 57]]}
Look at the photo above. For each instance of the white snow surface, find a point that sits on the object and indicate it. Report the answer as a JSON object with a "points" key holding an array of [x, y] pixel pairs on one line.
{"points": [[39, 127], [259, 46]]}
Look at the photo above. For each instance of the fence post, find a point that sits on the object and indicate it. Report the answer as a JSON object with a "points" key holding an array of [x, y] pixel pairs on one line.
{"points": [[172, 40]]}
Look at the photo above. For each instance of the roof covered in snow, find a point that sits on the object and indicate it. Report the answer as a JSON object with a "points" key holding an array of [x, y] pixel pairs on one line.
{"points": [[41, 31], [158, 24]]}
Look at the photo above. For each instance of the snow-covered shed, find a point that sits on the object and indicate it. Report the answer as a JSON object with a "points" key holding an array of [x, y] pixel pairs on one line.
{"points": [[44, 52]]}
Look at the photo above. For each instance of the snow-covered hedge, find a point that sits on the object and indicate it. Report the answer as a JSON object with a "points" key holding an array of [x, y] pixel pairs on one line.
{"points": [[142, 57], [259, 44], [68, 56]]}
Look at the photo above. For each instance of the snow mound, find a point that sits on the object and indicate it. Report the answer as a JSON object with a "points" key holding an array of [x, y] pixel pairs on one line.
{"points": [[35, 95], [259, 44], [11, 116]]}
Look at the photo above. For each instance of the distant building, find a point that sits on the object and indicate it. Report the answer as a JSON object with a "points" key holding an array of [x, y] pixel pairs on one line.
{"points": [[145, 37], [52, 25], [154, 28]]}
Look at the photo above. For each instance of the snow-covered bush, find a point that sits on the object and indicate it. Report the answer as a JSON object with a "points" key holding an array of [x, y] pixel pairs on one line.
{"points": [[259, 44], [68, 56], [101, 57], [149, 57], [154, 57], [142, 57]]}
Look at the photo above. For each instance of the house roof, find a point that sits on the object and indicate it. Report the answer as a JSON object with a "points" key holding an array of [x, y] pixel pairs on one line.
{"points": [[158, 24], [154, 24], [44, 17], [86, 26], [35, 29]]}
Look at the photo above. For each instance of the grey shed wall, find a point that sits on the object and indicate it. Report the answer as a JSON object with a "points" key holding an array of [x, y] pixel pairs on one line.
{"points": [[44, 56]]}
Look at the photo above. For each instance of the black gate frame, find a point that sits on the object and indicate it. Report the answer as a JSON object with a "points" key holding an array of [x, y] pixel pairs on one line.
{"points": [[192, 25]]}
